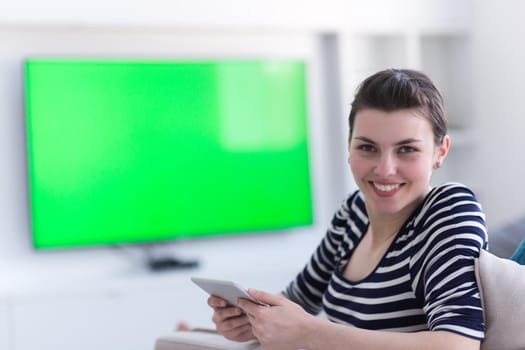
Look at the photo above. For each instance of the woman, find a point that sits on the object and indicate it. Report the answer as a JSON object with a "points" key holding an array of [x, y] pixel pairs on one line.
{"points": [[395, 269]]}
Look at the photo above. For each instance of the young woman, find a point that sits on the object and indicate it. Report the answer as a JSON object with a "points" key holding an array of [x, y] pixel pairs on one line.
{"points": [[395, 269]]}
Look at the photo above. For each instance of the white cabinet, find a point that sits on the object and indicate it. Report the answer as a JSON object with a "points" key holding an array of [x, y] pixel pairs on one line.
{"points": [[121, 306], [129, 317], [131, 320]]}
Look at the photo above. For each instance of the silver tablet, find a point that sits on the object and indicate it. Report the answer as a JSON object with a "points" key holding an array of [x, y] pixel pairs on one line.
{"points": [[228, 290]]}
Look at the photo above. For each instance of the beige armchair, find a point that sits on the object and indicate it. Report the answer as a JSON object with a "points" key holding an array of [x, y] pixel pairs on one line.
{"points": [[201, 339]]}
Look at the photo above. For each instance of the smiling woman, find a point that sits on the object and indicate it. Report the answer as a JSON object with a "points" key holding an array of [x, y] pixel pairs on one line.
{"points": [[397, 261], [392, 155]]}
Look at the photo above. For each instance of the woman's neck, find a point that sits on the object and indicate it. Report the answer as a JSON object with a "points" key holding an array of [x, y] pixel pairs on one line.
{"points": [[385, 226], [382, 230]]}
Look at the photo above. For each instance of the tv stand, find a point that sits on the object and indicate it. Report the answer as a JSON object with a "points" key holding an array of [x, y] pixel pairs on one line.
{"points": [[161, 257], [170, 263]]}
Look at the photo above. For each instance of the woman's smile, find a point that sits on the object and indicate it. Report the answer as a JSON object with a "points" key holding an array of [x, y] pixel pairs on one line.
{"points": [[385, 190]]}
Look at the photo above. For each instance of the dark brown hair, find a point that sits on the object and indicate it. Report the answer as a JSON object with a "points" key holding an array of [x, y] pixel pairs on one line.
{"points": [[394, 89]]}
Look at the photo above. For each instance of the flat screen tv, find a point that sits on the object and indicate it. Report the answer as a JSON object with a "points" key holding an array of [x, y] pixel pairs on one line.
{"points": [[125, 151]]}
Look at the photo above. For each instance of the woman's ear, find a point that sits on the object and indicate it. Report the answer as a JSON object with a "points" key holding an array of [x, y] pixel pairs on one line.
{"points": [[442, 152]]}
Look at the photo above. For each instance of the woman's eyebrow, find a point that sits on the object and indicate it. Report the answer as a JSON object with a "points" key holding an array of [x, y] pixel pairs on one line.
{"points": [[408, 141], [364, 139], [400, 143]]}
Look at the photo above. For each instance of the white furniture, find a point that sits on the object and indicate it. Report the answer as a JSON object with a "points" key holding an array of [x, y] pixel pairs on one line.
{"points": [[119, 304], [202, 339]]}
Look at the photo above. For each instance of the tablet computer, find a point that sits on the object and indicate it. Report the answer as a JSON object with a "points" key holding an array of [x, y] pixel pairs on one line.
{"points": [[228, 290]]}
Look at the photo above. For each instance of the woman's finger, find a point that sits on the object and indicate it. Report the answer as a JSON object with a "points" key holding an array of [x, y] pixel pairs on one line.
{"points": [[242, 333], [216, 302], [220, 315]]}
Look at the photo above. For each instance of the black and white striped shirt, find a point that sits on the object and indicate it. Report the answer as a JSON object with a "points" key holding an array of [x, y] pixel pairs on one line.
{"points": [[425, 281]]}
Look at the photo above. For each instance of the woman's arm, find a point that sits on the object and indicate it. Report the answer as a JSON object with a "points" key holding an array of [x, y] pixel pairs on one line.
{"points": [[343, 233], [327, 335], [285, 325]]}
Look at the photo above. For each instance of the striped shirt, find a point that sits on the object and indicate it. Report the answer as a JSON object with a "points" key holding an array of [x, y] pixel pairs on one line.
{"points": [[425, 280]]}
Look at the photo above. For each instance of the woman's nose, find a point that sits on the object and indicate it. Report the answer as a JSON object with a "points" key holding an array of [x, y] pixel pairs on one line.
{"points": [[386, 166]]}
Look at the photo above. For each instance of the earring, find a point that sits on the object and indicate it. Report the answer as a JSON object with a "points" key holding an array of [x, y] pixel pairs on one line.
{"points": [[437, 165]]}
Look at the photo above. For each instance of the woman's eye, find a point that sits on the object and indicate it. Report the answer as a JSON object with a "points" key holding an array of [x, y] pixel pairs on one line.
{"points": [[407, 149], [366, 148]]}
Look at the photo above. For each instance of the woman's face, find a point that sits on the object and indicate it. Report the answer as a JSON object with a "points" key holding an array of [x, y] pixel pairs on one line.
{"points": [[392, 156]]}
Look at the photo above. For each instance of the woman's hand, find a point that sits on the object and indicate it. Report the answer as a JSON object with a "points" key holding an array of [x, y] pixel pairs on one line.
{"points": [[281, 325], [230, 321]]}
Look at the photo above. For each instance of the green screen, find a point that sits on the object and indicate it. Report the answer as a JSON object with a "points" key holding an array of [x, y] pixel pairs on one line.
{"points": [[127, 151]]}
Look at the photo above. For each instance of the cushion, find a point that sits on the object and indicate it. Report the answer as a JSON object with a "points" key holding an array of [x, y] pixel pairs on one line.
{"points": [[201, 339], [502, 288], [519, 254]]}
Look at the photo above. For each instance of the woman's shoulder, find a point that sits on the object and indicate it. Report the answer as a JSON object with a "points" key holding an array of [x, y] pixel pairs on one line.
{"points": [[449, 195], [451, 209], [354, 204], [453, 187], [352, 211]]}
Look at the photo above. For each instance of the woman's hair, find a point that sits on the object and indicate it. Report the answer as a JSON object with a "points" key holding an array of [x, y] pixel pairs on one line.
{"points": [[394, 89]]}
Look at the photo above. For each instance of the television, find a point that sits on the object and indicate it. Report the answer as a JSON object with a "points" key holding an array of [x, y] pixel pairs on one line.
{"points": [[138, 151]]}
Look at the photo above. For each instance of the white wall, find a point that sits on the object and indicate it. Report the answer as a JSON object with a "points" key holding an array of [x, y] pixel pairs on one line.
{"points": [[238, 14], [499, 72]]}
